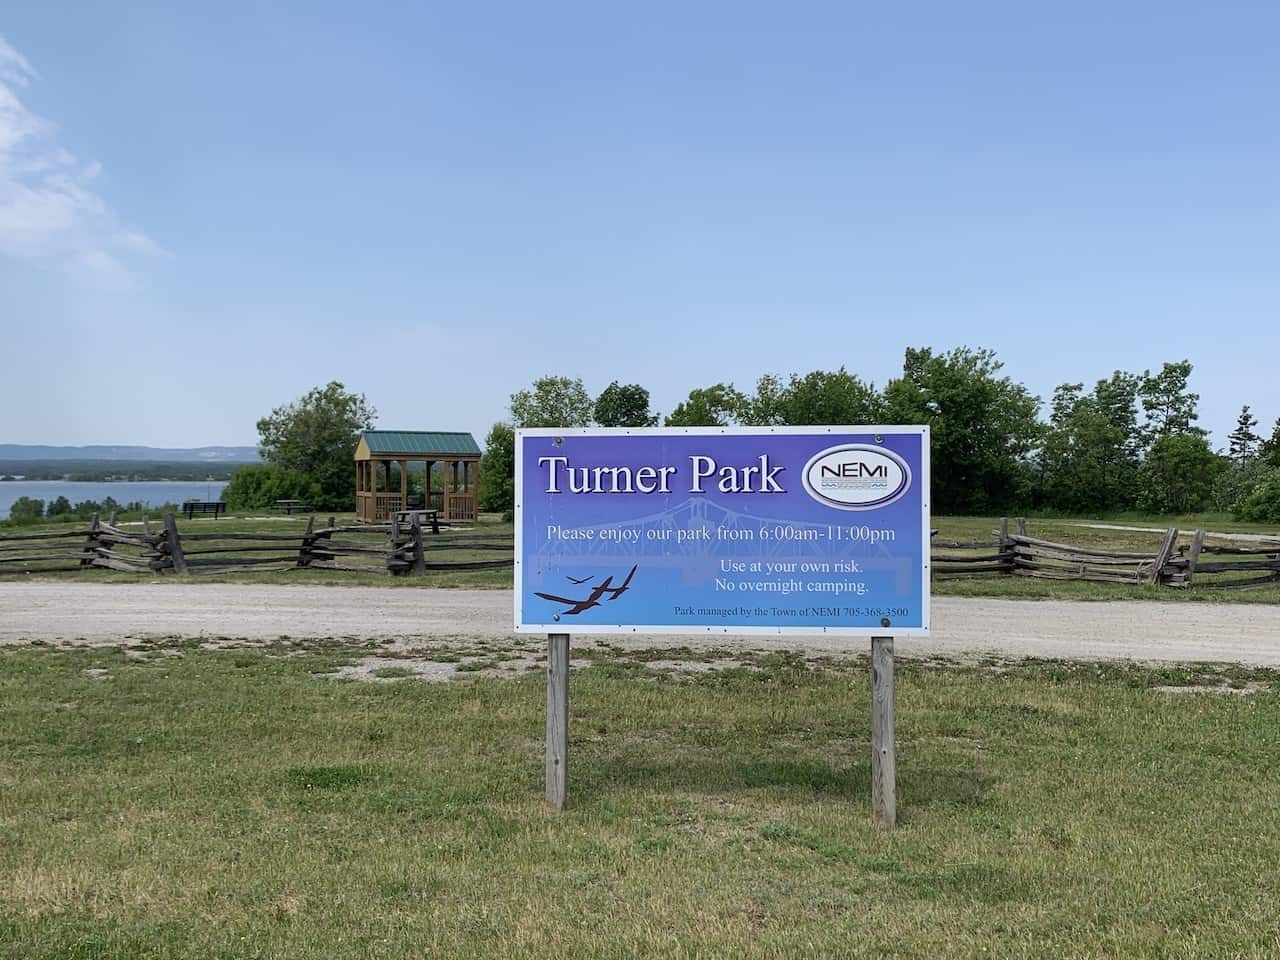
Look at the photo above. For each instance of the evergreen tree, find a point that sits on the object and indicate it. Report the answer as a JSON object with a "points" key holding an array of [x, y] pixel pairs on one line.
{"points": [[1243, 440]]}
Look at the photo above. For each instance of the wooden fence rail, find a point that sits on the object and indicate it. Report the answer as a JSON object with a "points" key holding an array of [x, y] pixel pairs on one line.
{"points": [[1171, 565], [368, 548]]}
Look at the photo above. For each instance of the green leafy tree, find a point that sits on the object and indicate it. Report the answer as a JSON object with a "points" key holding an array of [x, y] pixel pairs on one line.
{"points": [[818, 397], [26, 510], [714, 406], [984, 427], [624, 405], [1169, 404], [552, 402], [1244, 441], [1090, 455], [1269, 451], [498, 470], [59, 507], [1179, 473], [259, 485], [316, 436]]}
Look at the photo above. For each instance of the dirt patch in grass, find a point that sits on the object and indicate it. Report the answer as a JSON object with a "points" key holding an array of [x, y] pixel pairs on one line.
{"points": [[1240, 691], [389, 670]]}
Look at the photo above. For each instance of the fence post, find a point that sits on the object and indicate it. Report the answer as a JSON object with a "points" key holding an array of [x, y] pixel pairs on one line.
{"points": [[90, 544], [1193, 556], [1006, 546], [175, 544], [393, 543], [419, 556], [304, 551], [1166, 548], [1022, 526]]}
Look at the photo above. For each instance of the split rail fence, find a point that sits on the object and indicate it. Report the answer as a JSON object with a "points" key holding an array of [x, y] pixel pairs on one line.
{"points": [[406, 549], [1217, 565], [399, 549]]}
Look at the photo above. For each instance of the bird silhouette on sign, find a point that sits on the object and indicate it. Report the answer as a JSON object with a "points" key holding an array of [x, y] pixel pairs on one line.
{"points": [[577, 581], [619, 591], [578, 606], [605, 586]]}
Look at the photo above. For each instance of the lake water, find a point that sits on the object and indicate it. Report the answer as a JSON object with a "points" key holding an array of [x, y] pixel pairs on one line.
{"points": [[153, 492]]}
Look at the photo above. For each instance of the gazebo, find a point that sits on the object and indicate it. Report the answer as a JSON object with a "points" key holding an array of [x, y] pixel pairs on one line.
{"points": [[458, 454]]}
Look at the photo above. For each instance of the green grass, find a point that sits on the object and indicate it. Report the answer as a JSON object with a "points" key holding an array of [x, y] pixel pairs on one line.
{"points": [[234, 805]]}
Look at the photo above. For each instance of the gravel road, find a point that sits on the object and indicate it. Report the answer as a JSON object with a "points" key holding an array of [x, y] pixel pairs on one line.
{"points": [[962, 627]]}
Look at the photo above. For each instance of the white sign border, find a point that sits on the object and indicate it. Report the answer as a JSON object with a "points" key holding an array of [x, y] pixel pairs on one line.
{"points": [[696, 630]]}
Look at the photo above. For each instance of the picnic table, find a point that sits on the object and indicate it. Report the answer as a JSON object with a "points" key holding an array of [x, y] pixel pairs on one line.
{"points": [[425, 517], [192, 507], [288, 506]]}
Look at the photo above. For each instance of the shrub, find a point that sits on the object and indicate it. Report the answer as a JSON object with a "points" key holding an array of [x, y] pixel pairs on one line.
{"points": [[1262, 503], [260, 485]]}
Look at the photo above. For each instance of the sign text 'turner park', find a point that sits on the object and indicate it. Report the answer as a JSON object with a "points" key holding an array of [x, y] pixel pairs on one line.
{"points": [[733, 530]]}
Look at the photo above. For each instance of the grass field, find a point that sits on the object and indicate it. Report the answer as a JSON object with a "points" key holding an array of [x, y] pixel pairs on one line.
{"points": [[1073, 531], [170, 801]]}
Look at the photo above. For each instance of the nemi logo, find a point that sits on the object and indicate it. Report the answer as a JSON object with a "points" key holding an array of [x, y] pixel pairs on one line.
{"points": [[856, 477]]}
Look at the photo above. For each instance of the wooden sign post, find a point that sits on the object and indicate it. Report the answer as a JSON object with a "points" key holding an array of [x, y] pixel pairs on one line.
{"points": [[884, 787], [557, 719]]}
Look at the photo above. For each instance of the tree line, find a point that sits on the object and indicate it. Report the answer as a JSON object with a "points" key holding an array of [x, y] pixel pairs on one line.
{"points": [[1130, 442], [34, 510]]}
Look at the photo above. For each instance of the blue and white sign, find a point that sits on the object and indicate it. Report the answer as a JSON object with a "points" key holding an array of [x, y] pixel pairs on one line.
{"points": [[726, 530]]}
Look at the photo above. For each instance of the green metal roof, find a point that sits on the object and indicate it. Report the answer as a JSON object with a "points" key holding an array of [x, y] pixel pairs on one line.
{"points": [[420, 441]]}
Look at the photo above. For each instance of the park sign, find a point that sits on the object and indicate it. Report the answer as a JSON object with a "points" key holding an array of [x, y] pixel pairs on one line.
{"points": [[820, 529]]}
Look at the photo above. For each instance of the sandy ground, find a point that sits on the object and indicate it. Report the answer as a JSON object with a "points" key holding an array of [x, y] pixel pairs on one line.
{"points": [[417, 618]]}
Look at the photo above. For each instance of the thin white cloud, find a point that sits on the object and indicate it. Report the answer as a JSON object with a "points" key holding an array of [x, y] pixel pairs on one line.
{"points": [[49, 208]]}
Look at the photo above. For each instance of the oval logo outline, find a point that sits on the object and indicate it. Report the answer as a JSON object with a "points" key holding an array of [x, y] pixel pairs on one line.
{"points": [[849, 481]]}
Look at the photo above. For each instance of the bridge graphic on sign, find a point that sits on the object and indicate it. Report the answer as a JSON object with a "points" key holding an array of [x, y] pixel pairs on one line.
{"points": [[695, 534]]}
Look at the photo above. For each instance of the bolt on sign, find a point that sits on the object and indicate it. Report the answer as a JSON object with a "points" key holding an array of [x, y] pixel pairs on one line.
{"points": [[770, 530]]}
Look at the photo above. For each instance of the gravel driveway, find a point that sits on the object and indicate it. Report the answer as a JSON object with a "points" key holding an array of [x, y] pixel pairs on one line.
{"points": [[110, 612]]}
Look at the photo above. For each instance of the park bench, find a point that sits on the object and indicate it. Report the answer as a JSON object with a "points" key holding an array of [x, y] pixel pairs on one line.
{"points": [[288, 506], [192, 507]]}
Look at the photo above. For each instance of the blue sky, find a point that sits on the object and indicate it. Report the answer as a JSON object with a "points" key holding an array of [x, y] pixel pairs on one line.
{"points": [[207, 209]]}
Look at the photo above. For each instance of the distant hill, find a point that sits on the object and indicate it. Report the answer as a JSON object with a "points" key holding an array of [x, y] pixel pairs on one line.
{"points": [[23, 451]]}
